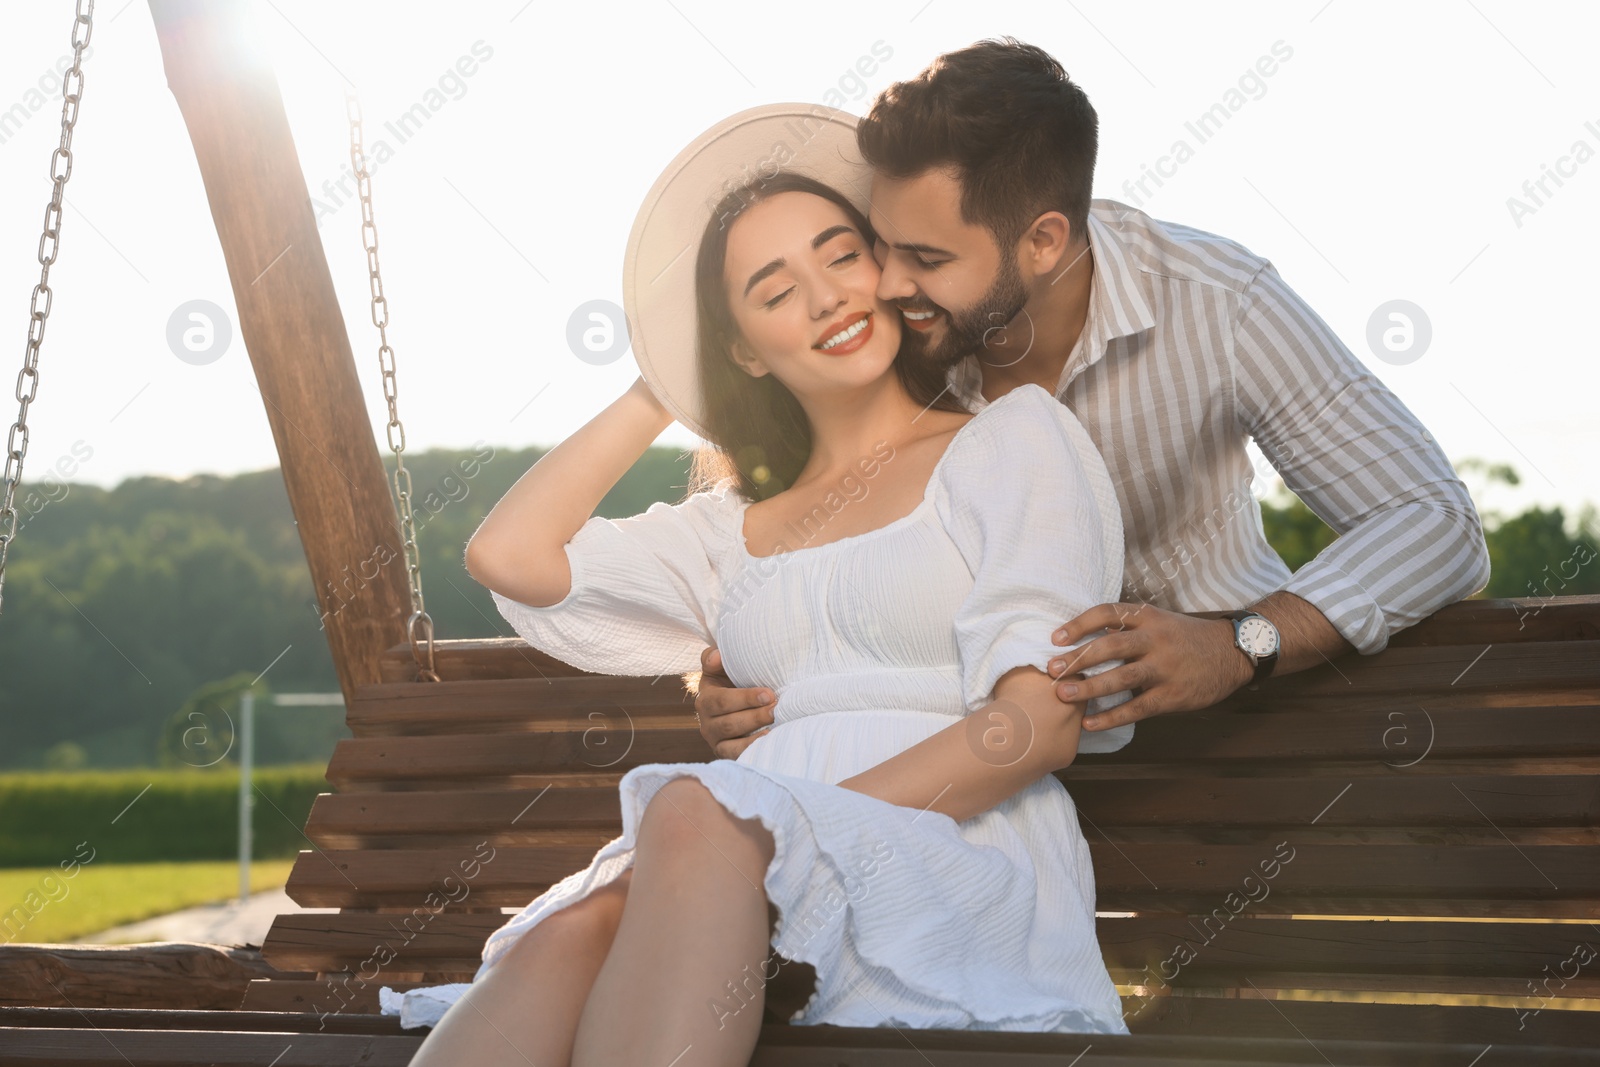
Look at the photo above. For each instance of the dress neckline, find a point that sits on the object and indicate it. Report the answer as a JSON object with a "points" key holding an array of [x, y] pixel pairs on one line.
{"points": [[904, 520]]}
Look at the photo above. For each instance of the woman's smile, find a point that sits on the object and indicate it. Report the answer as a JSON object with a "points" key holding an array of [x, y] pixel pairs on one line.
{"points": [[847, 335]]}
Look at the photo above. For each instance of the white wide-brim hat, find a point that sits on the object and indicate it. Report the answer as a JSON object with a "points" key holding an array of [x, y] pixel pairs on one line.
{"points": [[658, 287]]}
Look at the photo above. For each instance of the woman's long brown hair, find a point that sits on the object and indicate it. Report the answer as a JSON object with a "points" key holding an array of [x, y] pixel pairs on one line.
{"points": [[758, 432]]}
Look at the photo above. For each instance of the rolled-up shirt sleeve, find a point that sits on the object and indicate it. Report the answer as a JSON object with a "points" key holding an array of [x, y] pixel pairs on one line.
{"points": [[1410, 540]]}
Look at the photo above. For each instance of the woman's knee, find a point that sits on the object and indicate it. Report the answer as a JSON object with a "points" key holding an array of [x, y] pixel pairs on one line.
{"points": [[587, 925], [684, 814]]}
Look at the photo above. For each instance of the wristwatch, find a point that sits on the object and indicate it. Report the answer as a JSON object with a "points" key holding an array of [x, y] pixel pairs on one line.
{"points": [[1257, 638]]}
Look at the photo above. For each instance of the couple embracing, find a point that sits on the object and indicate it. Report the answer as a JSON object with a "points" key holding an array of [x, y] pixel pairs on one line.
{"points": [[975, 455]]}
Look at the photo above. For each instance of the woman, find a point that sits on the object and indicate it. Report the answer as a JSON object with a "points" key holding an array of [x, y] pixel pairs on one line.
{"points": [[888, 564]]}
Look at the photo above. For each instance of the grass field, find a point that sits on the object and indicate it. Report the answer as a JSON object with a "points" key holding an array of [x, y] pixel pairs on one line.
{"points": [[40, 904]]}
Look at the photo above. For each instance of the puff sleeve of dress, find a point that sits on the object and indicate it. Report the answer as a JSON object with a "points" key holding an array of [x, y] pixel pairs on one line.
{"points": [[644, 589], [1031, 507]]}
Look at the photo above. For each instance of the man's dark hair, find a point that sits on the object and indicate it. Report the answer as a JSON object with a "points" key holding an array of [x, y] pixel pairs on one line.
{"points": [[1020, 133]]}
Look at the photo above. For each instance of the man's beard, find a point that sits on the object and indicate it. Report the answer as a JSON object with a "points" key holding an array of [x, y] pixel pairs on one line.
{"points": [[964, 333]]}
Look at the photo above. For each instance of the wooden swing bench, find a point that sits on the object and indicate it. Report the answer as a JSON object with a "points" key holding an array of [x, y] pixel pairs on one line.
{"points": [[1401, 832], [1391, 859]]}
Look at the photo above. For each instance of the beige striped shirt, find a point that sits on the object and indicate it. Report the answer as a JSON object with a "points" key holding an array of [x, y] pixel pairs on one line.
{"points": [[1194, 345]]}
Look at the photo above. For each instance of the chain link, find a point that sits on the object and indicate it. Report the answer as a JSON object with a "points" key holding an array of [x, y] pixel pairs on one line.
{"points": [[423, 652], [49, 246]]}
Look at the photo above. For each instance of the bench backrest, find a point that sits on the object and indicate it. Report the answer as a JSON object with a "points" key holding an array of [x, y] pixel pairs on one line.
{"points": [[1452, 781]]}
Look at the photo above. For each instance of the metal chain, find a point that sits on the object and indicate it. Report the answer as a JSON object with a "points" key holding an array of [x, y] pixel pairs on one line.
{"points": [[60, 171], [423, 653]]}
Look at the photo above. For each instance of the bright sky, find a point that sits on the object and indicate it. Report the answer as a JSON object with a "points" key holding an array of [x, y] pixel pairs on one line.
{"points": [[1374, 163]]}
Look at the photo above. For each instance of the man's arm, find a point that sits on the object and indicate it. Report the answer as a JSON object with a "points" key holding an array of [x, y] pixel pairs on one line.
{"points": [[1182, 662], [1410, 540]]}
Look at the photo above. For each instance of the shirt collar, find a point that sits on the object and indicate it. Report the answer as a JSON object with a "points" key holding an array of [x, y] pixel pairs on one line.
{"points": [[1118, 303]]}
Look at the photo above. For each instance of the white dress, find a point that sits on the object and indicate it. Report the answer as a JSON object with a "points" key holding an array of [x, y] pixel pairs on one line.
{"points": [[873, 642]]}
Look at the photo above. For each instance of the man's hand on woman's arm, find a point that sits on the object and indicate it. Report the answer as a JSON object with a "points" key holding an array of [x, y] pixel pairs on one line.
{"points": [[728, 715], [1179, 662]]}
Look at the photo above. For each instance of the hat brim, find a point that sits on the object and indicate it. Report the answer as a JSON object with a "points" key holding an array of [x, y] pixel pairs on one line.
{"points": [[658, 284]]}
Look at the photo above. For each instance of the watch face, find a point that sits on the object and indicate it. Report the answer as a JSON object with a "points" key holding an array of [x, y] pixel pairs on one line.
{"points": [[1258, 636]]}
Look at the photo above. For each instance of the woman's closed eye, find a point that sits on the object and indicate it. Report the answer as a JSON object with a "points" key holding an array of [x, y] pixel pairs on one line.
{"points": [[846, 258]]}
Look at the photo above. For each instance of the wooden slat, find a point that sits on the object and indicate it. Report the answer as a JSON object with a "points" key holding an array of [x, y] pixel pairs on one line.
{"points": [[462, 708], [1382, 724], [887, 1046], [1399, 736], [1512, 665], [1410, 739], [784, 1046], [1207, 951], [1483, 958], [1353, 876], [1545, 881], [477, 876], [1529, 666], [1251, 1016], [1482, 622], [488, 761], [170, 1019], [1409, 802], [475, 658], [1342, 770], [346, 993], [1398, 801], [508, 704], [1469, 622], [444, 818], [196, 1048], [158, 974], [1195, 1016], [445, 944]]}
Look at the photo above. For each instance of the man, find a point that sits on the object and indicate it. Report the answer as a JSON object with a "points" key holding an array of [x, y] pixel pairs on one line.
{"points": [[1173, 347]]}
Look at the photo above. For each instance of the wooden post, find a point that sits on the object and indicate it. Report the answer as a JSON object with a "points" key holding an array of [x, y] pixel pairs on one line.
{"points": [[292, 327]]}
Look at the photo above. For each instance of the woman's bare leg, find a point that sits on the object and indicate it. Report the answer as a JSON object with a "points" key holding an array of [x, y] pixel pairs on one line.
{"points": [[696, 921], [525, 1009]]}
